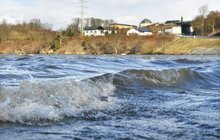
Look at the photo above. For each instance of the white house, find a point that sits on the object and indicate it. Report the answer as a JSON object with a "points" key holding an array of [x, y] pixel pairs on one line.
{"points": [[96, 31], [139, 32], [175, 30]]}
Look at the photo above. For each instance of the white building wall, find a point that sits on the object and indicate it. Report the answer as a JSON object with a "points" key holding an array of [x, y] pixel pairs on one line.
{"points": [[177, 30], [191, 29], [169, 31], [136, 32], [145, 34], [97, 32]]}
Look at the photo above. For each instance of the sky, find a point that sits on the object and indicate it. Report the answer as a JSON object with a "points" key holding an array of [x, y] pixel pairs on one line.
{"points": [[60, 13]]}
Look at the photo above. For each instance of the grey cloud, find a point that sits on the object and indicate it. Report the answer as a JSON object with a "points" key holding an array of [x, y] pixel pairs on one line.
{"points": [[60, 13]]}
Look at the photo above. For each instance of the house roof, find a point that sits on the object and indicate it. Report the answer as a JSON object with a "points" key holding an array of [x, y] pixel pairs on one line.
{"points": [[142, 30], [122, 24], [94, 28], [172, 21]]}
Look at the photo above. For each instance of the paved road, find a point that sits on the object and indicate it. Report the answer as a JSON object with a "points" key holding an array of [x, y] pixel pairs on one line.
{"points": [[190, 36]]}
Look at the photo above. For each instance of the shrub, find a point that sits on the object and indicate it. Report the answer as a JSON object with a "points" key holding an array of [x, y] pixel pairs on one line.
{"points": [[57, 43]]}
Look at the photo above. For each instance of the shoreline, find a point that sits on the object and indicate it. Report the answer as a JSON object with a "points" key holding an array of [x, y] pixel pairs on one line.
{"points": [[153, 45]]}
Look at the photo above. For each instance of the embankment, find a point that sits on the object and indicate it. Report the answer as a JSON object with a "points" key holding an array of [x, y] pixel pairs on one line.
{"points": [[193, 46], [117, 45]]}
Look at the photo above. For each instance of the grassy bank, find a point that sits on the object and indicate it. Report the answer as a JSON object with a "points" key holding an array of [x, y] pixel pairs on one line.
{"points": [[193, 46], [116, 44]]}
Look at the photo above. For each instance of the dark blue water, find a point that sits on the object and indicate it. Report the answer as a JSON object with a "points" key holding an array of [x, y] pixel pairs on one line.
{"points": [[109, 97]]}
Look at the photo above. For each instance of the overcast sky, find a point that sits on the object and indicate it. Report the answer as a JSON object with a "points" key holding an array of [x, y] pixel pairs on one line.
{"points": [[59, 13]]}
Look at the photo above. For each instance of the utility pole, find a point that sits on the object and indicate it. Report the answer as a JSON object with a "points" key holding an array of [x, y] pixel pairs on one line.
{"points": [[82, 16]]}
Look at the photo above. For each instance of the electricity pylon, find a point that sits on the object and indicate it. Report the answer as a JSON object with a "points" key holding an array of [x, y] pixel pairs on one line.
{"points": [[82, 6]]}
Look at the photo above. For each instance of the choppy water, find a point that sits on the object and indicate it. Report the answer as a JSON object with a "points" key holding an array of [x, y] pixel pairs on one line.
{"points": [[109, 97]]}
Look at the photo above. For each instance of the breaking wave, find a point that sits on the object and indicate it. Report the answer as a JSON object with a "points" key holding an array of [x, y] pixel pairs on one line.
{"points": [[33, 102], [37, 102]]}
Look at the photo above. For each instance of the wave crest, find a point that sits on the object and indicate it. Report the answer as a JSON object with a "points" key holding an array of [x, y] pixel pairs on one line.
{"points": [[178, 78], [33, 102]]}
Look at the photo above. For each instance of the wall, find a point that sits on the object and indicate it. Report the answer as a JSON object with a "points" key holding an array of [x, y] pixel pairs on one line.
{"points": [[177, 30], [97, 32]]}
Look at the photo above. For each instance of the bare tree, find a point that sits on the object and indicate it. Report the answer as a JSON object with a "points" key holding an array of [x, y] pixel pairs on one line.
{"points": [[197, 26], [106, 23], [76, 23], [203, 12], [98, 22], [35, 24], [95, 22], [212, 20], [74, 27], [4, 30]]}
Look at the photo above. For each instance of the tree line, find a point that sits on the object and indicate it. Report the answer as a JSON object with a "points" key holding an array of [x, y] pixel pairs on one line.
{"points": [[206, 22], [33, 30]]}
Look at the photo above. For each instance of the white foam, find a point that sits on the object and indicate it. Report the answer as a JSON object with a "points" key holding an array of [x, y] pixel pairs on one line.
{"points": [[53, 100]]}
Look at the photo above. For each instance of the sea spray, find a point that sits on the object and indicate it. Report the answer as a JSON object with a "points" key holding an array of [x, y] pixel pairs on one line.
{"points": [[33, 102]]}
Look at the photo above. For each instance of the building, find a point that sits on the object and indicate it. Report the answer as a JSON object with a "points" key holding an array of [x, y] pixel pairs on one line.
{"points": [[144, 23], [175, 30], [122, 26], [96, 31], [139, 32], [179, 27], [186, 28]]}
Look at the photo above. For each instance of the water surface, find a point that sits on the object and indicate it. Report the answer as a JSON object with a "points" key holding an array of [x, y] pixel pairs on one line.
{"points": [[109, 97]]}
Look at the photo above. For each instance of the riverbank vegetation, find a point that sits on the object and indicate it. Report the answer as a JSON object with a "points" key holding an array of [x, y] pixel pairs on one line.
{"points": [[26, 37], [31, 31], [117, 45]]}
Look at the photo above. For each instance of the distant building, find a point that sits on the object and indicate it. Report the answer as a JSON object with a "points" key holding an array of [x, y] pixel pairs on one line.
{"points": [[182, 28], [96, 31], [122, 26], [186, 28], [179, 27], [145, 23], [175, 30], [139, 32]]}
